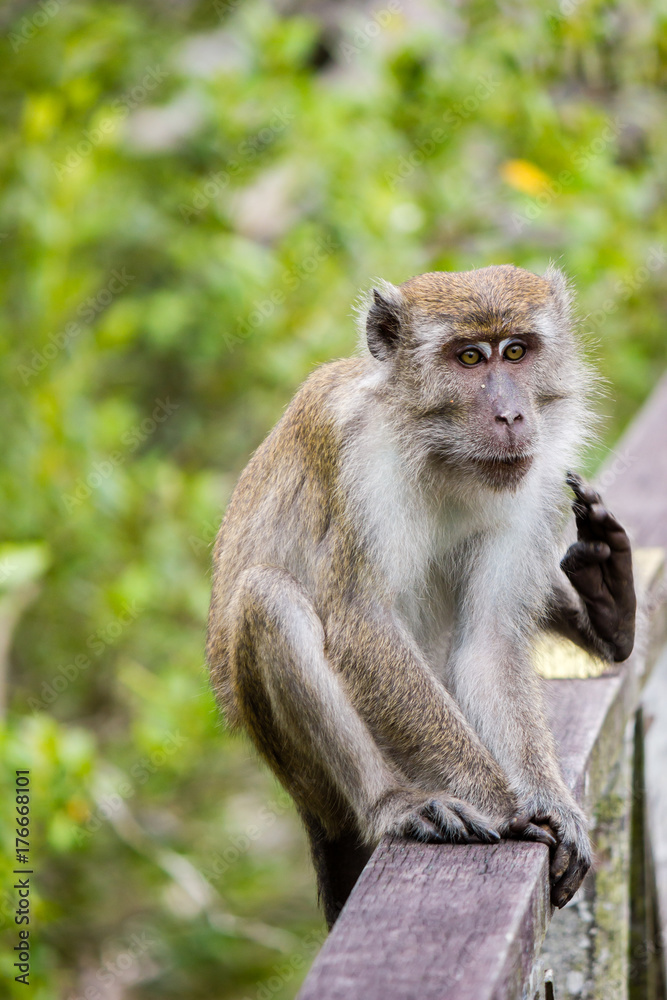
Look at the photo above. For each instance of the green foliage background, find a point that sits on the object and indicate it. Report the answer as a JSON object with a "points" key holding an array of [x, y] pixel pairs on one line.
{"points": [[191, 195]]}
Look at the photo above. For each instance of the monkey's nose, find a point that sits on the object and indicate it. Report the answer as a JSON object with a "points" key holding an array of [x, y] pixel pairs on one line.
{"points": [[509, 417]]}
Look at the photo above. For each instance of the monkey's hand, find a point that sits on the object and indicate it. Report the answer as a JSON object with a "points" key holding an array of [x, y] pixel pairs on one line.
{"points": [[563, 828], [435, 819], [599, 567]]}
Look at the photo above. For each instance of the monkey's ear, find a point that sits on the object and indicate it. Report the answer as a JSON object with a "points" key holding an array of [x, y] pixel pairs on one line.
{"points": [[383, 326], [560, 289]]}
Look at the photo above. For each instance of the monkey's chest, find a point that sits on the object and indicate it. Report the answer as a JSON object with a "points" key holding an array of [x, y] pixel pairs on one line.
{"points": [[430, 616]]}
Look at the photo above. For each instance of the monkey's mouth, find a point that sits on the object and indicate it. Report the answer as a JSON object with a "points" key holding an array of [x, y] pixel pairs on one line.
{"points": [[506, 465]]}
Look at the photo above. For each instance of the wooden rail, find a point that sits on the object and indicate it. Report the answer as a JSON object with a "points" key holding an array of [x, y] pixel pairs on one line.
{"points": [[468, 922]]}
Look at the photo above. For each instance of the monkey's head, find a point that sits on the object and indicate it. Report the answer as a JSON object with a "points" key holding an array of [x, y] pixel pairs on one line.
{"points": [[483, 369]]}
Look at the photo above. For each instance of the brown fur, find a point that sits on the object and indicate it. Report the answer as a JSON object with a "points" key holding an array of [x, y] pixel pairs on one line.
{"points": [[506, 293]]}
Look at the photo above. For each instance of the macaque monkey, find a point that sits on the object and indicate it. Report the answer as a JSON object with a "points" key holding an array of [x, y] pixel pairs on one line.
{"points": [[386, 560]]}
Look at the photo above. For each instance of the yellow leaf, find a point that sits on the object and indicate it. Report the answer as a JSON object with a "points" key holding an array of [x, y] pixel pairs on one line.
{"points": [[77, 809], [524, 176]]}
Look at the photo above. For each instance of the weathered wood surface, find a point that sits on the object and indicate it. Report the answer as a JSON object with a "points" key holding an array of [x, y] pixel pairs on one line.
{"points": [[450, 923], [587, 943], [467, 922], [655, 788]]}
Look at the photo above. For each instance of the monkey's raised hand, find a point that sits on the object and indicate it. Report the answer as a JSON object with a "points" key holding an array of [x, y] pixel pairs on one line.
{"points": [[599, 567]]}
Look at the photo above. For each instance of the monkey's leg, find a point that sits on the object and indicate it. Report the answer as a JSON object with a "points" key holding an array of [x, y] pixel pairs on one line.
{"points": [[300, 716], [338, 863]]}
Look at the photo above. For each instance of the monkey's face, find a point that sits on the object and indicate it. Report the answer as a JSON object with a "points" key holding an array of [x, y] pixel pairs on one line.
{"points": [[473, 361], [492, 420]]}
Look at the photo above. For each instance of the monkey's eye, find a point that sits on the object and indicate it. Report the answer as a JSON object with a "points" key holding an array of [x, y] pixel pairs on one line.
{"points": [[514, 352], [471, 356]]}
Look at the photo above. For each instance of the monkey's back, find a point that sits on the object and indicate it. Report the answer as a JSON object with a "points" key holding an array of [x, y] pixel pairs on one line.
{"points": [[284, 511]]}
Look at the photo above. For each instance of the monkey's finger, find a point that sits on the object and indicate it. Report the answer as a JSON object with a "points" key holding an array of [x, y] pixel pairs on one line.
{"points": [[475, 822], [447, 822], [609, 527], [596, 523], [581, 555], [560, 862], [544, 823], [520, 821], [418, 827], [587, 552], [585, 498], [482, 832], [523, 829], [585, 495], [583, 522], [563, 891], [617, 571], [539, 834]]}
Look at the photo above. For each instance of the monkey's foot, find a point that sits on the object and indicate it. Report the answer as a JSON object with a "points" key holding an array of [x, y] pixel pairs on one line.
{"points": [[563, 829], [437, 820]]}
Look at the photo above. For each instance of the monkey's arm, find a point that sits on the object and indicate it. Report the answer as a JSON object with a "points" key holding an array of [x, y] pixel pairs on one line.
{"points": [[493, 679], [411, 714], [305, 719], [599, 614]]}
